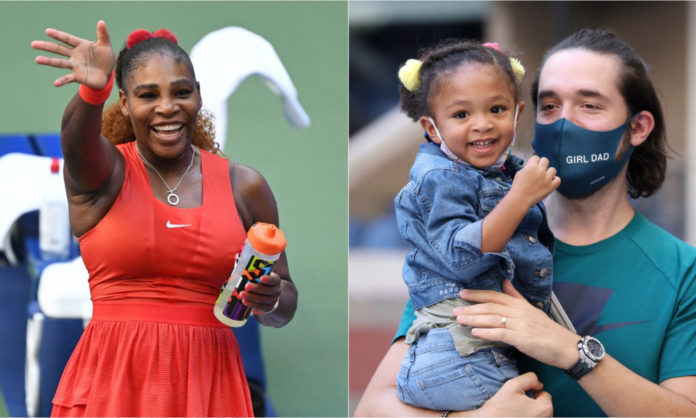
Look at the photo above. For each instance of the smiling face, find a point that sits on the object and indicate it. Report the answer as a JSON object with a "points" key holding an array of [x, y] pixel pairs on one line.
{"points": [[162, 100], [474, 109]]}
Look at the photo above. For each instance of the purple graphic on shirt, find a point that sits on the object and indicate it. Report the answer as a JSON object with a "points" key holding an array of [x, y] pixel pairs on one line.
{"points": [[584, 304]]}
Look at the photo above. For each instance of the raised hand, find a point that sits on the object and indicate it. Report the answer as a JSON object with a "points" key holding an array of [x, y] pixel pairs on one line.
{"points": [[90, 62], [535, 180]]}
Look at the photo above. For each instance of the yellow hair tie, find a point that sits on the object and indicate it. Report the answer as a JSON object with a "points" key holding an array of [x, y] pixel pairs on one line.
{"points": [[408, 74], [517, 68]]}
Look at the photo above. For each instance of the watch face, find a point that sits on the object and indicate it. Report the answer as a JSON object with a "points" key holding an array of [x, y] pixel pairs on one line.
{"points": [[594, 349]]}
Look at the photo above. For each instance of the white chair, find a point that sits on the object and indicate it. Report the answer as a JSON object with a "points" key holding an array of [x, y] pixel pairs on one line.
{"points": [[23, 179], [61, 286]]}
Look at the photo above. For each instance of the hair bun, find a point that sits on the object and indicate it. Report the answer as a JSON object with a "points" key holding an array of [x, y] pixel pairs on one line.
{"points": [[140, 35], [409, 74], [137, 36], [518, 69], [166, 34]]}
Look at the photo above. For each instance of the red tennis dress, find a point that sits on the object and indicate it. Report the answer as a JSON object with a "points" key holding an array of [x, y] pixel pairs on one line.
{"points": [[154, 346]]}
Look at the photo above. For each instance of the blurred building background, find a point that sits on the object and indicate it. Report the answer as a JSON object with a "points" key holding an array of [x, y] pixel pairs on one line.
{"points": [[383, 141]]}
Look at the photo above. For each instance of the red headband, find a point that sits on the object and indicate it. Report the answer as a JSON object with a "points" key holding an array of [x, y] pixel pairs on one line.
{"points": [[140, 35]]}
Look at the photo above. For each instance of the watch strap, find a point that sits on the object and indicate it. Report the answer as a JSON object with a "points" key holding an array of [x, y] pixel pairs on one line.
{"points": [[579, 369], [584, 364]]}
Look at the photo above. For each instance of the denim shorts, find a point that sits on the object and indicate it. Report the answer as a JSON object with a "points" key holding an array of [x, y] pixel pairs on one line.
{"points": [[434, 376]]}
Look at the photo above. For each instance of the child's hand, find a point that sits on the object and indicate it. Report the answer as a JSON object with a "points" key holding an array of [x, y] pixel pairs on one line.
{"points": [[535, 180]]}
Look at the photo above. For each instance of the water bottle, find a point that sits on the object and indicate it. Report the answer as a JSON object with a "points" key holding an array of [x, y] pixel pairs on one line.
{"points": [[263, 246], [54, 222]]}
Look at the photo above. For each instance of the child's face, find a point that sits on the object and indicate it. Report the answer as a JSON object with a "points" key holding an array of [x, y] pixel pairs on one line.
{"points": [[474, 110]]}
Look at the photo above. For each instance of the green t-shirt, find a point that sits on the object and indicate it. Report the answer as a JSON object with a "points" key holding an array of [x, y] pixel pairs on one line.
{"points": [[635, 292]]}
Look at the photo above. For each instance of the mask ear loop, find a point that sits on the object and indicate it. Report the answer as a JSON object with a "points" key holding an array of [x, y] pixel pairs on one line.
{"points": [[443, 145], [629, 150], [501, 160], [508, 152], [432, 121], [514, 134], [514, 129]]}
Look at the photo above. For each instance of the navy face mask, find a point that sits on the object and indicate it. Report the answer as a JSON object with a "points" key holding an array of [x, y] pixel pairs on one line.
{"points": [[584, 159]]}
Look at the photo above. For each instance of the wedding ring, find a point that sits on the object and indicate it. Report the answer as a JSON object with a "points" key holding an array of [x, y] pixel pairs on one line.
{"points": [[503, 321]]}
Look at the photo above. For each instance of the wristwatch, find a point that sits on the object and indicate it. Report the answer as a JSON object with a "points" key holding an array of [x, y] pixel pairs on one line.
{"points": [[591, 352]]}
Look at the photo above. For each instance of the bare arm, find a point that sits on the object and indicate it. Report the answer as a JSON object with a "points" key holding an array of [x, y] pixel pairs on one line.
{"points": [[532, 332], [256, 203], [90, 159], [607, 384], [531, 184], [380, 398]]}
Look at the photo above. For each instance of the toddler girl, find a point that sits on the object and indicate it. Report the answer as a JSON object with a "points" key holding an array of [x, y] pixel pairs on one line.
{"points": [[474, 216]]}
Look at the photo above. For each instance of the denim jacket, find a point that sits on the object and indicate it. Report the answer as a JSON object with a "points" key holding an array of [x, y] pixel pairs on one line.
{"points": [[440, 212]]}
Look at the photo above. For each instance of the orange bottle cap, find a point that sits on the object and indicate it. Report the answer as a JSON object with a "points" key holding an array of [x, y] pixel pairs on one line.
{"points": [[266, 238]]}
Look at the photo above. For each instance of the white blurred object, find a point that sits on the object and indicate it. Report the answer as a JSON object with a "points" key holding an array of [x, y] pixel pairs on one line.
{"points": [[64, 290], [224, 58], [32, 369], [24, 177], [54, 222], [63, 293]]}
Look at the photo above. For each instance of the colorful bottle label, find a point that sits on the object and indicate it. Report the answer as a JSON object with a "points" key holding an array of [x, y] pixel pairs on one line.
{"points": [[257, 267], [264, 244]]}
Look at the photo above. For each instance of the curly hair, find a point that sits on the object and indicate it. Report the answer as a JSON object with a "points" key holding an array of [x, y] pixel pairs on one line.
{"points": [[444, 58], [648, 162], [117, 128]]}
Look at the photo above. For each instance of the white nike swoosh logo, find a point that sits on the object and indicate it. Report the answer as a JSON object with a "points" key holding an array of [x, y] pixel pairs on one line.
{"points": [[171, 225]]}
